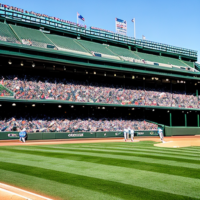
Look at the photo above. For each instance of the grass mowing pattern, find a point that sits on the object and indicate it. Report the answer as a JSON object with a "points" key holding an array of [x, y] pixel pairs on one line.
{"points": [[104, 170]]}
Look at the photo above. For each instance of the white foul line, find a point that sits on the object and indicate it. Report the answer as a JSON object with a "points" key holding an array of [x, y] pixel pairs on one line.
{"points": [[15, 194], [25, 191]]}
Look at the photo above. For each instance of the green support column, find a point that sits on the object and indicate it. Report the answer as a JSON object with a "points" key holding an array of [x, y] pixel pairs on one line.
{"points": [[197, 92], [171, 89], [197, 120], [185, 120], [170, 119]]}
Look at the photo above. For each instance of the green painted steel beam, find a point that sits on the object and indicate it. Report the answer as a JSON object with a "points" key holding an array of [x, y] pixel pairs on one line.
{"points": [[170, 119], [58, 102], [185, 120]]}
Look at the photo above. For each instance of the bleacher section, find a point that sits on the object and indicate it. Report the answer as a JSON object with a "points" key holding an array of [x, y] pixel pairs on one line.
{"points": [[32, 37], [67, 44], [7, 35]]}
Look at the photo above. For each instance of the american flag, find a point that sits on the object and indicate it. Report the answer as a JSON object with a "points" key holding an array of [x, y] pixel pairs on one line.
{"points": [[133, 20], [80, 17]]}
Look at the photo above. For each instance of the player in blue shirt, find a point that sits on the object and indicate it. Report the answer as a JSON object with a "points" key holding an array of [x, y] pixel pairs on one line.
{"points": [[22, 135]]}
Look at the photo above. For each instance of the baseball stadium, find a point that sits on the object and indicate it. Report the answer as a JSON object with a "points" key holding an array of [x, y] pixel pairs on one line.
{"points": [[100, 115]]}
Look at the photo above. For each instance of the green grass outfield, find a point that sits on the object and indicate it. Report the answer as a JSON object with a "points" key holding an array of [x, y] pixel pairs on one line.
{"points": [[104, 170]]}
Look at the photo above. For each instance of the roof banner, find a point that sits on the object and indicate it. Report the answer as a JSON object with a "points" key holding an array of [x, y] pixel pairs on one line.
{"points": [[121, 26]]}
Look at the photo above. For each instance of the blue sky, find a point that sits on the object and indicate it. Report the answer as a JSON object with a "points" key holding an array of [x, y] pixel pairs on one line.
{"points": [[173, 22]]}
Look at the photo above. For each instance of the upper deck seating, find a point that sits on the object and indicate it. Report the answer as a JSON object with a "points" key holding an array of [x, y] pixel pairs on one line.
{"points": [[96, 47], [161, 59], [36, 38], [7, 35], [66, 43], [189, 63], [32, 37], [123, 52]]}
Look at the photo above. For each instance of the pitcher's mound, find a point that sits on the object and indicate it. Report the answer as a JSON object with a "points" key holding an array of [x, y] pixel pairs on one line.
{"points": [[178, 144]]}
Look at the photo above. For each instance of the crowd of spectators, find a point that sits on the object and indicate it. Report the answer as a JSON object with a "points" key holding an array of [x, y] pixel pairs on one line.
{"points": [[4, 93], [48, 124], [37, 87]]}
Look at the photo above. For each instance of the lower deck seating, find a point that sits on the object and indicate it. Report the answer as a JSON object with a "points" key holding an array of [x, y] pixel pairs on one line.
{"points": [[44, 124]]}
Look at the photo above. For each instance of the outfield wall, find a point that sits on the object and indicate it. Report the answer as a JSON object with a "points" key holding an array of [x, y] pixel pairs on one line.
{"points": [[176, 131], [58, 135]]}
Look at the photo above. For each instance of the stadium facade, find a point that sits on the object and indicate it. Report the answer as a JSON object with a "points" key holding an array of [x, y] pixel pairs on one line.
{"points": [[53, 67]]}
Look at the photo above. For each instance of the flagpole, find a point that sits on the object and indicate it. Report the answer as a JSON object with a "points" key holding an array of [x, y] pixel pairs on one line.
{"points": [[77, 17], [134, 29]]}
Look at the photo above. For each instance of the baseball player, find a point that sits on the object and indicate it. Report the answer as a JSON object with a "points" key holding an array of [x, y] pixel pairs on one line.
{"points": [[125, 134], [132, 135], [160, 133], [23, 135]]}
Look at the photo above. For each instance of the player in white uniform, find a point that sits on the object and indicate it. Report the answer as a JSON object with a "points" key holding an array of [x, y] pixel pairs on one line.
{"points": [[125, 134], [132, 135], [160, 133]]}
